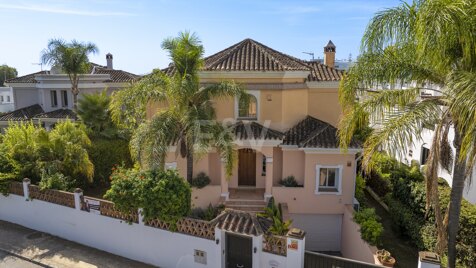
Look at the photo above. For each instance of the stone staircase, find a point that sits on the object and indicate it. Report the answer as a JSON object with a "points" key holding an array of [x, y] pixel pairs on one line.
{"points": [[250, 205]]}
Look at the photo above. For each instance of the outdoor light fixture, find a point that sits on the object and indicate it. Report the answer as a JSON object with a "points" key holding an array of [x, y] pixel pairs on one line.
{"points": [[268, 97], [217, 241]]}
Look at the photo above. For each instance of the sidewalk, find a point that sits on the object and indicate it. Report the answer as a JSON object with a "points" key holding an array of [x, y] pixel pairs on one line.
{"points": [[51, 251]]}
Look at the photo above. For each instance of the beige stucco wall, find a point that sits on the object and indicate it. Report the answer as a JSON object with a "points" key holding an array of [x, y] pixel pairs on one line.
{"points": [[293, 164], [352, 245], [294, 107], [210, 194], [324, 105], [304, 199]]}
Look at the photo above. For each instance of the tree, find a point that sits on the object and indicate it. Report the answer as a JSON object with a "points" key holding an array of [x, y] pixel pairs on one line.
{"points": [[427, 42], [7, 72], [93, 110], [72, 58], [188, 116]]}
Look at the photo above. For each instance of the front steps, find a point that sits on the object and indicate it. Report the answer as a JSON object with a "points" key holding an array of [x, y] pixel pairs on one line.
{"points": [[251, 206]]}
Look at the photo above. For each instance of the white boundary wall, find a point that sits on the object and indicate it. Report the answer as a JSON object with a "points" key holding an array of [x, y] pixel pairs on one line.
{"points": [[137, 242]]}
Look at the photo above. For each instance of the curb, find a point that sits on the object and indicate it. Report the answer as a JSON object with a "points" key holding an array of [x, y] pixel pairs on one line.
{"points": [[25, 258]]}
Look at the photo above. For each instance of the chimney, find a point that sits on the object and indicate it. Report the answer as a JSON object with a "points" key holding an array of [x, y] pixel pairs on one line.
{"points": [[330, 54], [109, 61]]}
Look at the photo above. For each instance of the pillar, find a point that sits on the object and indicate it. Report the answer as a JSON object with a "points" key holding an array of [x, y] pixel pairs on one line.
{"points": [[140, 216], [26, 190], [269, 178], [296, 241], [428, 260], [78, 193], [224, 180]]}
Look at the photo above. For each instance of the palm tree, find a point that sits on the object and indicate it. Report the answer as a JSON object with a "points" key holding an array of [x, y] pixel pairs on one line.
{"points": [[428, 43], [72, 58], [187, 119]]}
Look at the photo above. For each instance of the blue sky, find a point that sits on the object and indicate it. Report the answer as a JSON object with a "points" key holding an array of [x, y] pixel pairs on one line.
{"points": [[133, 30]]}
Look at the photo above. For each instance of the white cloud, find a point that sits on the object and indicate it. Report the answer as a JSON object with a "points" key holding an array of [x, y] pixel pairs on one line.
{"points": [[66, 11]]}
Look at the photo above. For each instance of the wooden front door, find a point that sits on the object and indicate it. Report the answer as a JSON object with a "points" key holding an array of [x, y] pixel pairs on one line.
{"points": [[239, 251], [246, 167]]}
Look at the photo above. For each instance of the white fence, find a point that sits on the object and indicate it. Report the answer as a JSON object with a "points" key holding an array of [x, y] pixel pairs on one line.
{"points": [[60, 215]]}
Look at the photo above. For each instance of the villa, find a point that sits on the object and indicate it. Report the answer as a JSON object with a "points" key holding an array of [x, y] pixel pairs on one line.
{"points": [[46, 96], [288, 128]]}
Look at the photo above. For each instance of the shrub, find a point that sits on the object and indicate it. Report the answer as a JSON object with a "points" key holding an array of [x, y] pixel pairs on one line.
{"points": [[56, 181], [274, 213], [208, 214], [289, 181], [106, 154], [200, 181], [28, 149], [370, 227], [359, 189], [161, 194]]}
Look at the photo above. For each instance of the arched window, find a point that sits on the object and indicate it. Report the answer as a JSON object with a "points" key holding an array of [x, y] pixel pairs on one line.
{"points": [[247, 109]]}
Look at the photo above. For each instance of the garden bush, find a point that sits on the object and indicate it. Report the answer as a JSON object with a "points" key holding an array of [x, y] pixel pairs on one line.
{"points": [[289, 181], [370, 227], [161, 194], [208, 214], [200, 181], [28, 150], [359, 189], [106, 154]]}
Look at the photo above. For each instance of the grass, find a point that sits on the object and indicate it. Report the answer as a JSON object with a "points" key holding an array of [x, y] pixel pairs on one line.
{"points": [[403, 250]]}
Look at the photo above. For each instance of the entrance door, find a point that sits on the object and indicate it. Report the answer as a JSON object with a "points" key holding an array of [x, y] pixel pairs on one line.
{"points": [[246, 167], [239, 251]]}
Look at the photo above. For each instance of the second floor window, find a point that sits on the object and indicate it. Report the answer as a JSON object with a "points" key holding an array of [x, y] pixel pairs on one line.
{"points": [[328, 179], [8, 98], [64, 98], [1, 98], [54, 98], [247, 109]]}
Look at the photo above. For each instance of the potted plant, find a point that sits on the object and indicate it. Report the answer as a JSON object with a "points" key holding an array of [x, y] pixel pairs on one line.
{"points": [[385, 258], [289, 181]]}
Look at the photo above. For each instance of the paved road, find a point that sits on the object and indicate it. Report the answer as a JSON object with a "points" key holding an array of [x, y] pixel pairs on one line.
{"points": [[11, 261], [18, 245]]}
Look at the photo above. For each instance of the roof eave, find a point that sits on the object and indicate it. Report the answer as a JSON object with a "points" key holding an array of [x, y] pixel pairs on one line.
{"points": [[252, 74]]}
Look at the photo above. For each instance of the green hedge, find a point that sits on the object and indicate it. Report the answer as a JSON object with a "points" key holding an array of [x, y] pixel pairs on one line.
{"points": [[105, 154]]}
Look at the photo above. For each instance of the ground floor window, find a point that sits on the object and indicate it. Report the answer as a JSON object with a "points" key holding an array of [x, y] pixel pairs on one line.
{"points": [[425, 152], [328, 179]]}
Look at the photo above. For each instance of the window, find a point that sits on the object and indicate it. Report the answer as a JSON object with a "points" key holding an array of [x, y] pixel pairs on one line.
{"points": [[247, 109], [64, 98], [328, 179], [425, 152], [8, 98], [54, 98], [1, 98]]}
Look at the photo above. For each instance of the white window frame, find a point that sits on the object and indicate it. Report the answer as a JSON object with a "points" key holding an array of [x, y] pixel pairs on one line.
{"points": [[340, 169], [256, 94], [52, 99], [64, 98]]}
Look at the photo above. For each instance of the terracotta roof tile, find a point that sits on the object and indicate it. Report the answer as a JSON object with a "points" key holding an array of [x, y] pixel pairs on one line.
{"points": [[252, 130], [29, 78], [241, 222], [314, 133], [58, 114], [250, 55], [22, 114], [117, 76]]}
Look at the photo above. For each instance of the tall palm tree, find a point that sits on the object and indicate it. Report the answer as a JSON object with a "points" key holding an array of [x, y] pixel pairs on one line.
{"points": [[187, 119], [72, 58], [426, 43]]}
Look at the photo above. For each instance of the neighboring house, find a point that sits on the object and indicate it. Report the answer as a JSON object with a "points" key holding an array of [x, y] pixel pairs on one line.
{"points": [[6, 99], [46, 96], [287, 129], [421, 148]]}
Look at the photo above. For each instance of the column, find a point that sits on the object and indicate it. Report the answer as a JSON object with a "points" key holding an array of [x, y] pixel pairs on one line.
{"points": [[224, 180], [26, 190], [296, 241], [428, 260], [269, 178], [78, 193]]}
